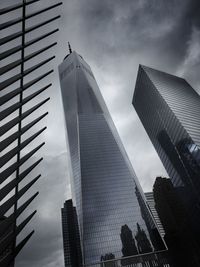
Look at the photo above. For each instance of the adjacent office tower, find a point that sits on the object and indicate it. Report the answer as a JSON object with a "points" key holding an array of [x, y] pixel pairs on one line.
{"points": [[169, 109], [103, 181]]}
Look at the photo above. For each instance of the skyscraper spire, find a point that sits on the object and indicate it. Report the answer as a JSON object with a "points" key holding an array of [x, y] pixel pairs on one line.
{"points": [[70, 49]]}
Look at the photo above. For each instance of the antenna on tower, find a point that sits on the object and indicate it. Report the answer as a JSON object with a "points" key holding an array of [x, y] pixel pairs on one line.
{"points": [[70, 49]]}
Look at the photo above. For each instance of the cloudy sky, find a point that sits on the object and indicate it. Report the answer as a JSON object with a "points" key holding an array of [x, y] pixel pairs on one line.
{"points": [[114, 37]]}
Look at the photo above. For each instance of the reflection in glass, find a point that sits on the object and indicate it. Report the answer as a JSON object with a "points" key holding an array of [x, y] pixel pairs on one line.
{"points": [[143, 243], [108, 260]]}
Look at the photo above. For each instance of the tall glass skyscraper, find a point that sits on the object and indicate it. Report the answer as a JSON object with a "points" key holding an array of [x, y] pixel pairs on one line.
{"points": [[169, 109], [103, 181]]}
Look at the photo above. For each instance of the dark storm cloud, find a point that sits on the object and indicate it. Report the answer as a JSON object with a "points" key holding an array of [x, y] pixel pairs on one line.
{"points": [[162, 27]]}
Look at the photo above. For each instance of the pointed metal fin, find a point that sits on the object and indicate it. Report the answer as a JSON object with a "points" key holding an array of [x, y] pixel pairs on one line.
{"points": [[9, 186], [6, 261], [17, 91], [11, 201], [6, 127], [14, 7], [16, 63], [10, 23], [10, 154], [6, 142], [16, 77], [6, 112], [5, 224], [23, 243], [43, 10], [13, 36], [41, 24], [7, 172], [24, 223], [8, 239], [17, 20], [10, 37], [11, 51]]}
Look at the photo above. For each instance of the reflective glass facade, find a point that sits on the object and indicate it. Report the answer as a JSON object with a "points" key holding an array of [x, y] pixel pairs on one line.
{"points": [[104, 184], [169, 109]]}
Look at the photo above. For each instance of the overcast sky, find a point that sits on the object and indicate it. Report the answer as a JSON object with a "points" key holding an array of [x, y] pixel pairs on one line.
{"points": [[114, 37]]}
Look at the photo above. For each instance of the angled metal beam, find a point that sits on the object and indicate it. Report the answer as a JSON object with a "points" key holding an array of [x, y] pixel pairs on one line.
{"points": [[16, 63], [22, 243], [13, 36], [24, 223], [6, 261], [7, 172], [16, 77], [16, 49], [6, 127], [11, 201], [43, 10], [17, 91], [14, 7], [8, 239], [10, 154], [17, 105], [17, 20], [6, 142], [9, 186], [30, 29], [10, 37], [41, 37], [5, 224], [10, 23]]}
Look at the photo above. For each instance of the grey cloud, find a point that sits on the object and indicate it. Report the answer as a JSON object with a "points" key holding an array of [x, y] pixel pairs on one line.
{"points": [[190, 66], [163, 28]]}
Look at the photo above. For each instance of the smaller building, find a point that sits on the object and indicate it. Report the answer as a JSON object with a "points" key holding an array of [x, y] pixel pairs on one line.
{"points": [[71, 237], [151, 204], [173, 217]]}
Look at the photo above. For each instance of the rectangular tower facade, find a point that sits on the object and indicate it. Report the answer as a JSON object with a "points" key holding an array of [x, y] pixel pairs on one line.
{"points": [[151, 204], [169, 109], [103, 182], [71, 238]]}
